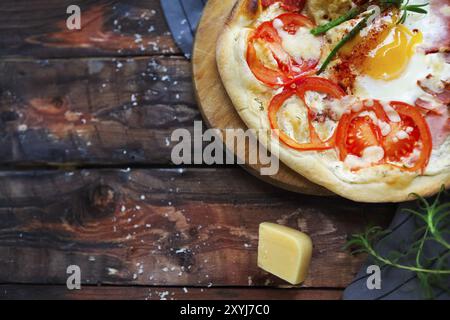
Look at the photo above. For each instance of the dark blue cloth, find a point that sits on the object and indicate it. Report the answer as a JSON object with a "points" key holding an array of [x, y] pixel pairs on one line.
{"points": [[183, 16], [398, 283]]}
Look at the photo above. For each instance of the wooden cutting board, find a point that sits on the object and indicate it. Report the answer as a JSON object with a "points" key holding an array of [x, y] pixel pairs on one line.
{"points": [[214, 103]]}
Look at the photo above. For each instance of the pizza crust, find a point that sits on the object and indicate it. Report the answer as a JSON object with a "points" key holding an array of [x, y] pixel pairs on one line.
{"points": [[248, 94]]}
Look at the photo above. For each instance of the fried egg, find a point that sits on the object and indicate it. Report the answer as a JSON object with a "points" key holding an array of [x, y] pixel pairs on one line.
{"points": [[391, 70], [403, 87]]}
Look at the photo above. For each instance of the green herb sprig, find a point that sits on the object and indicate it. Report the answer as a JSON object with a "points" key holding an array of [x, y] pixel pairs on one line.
{"points": [[435, 227], [361, 25], [406, 8], [352, 13]]}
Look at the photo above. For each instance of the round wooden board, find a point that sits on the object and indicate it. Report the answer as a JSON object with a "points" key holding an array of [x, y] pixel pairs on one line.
{"points": [[214, 103]]}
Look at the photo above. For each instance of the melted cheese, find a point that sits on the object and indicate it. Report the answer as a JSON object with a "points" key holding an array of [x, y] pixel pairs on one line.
{"points": [[390, 112], [302, 45], [340, 106], [384, 127], [265, 55], [293, 119], [402, 135], [315, 100], [370, 155]]}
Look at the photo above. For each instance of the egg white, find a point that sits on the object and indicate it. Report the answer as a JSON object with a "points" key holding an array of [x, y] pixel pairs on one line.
{"points": [[405, 87]]}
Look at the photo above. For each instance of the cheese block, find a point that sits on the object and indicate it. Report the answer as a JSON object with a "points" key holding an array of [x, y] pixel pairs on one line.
{"points": [[284, 252]]}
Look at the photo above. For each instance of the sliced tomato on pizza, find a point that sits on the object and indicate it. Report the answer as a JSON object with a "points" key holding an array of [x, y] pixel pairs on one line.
{"points": [[300, 88], [278, 40], [403, 140]]}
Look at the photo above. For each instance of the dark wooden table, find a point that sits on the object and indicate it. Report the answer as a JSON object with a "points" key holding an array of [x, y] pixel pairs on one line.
{"points": [[86, 177]]}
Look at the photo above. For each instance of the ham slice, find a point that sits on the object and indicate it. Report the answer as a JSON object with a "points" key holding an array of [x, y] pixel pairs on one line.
{"points": [[439, 126], [436, 107], [437, 39], [439, 89]]}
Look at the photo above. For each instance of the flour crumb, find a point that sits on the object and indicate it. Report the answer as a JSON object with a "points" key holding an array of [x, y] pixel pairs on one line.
{"points": [[112, 271]]}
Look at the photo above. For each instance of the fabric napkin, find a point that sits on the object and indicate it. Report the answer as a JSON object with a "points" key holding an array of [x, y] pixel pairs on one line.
{"points": [[183, 16]]}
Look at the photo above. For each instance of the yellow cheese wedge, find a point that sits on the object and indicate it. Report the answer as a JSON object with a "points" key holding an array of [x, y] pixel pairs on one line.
{"points": [[284, 252]]}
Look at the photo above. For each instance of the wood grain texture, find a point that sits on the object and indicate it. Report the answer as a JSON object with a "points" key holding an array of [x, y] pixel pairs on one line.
{"points": [[111, 94], [109, 28], [33, 292], [195, 227], [96, 111], [214, 103]]}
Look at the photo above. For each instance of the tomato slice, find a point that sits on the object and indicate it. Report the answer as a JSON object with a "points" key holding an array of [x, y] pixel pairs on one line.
{"points": [[406, 135], [397, 148], [288, 5], [318, 84], [356, 131], [362, 133], [300, 87], [264, 74], [293, 21], [288, 68]]}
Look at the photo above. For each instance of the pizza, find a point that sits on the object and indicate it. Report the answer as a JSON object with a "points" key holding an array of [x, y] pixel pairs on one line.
{"points": [[357, 93]]}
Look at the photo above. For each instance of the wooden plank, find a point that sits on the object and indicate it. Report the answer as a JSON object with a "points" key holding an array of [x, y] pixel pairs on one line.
{"points": [[30, 292], [109, 111], [109, 28], [195, 227]]}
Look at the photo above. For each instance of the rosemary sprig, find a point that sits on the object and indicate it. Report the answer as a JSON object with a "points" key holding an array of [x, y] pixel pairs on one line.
{"points": [[431, 272], [361, 25], [384, 4], [406, 8]]}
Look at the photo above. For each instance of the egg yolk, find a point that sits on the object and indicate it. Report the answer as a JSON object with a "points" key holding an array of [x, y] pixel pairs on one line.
{"points": [[390, 59]]}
